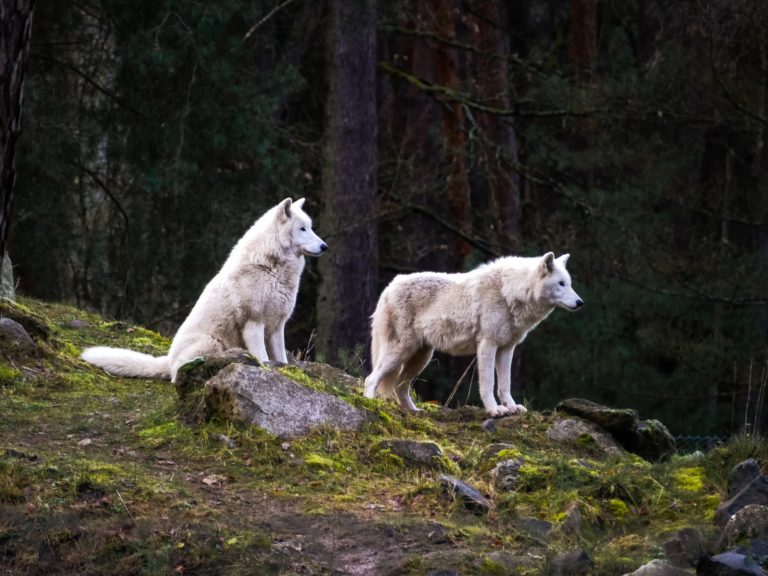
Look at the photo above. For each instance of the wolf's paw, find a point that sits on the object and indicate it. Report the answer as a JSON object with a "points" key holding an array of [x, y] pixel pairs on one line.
{"points": [[498, 411], [517, 409]]}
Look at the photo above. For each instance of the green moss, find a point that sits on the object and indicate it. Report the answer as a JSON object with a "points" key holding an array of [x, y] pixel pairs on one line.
{"points": [[690, 479], [490, 568], [618, 509], [320, 461], [9, 375]]}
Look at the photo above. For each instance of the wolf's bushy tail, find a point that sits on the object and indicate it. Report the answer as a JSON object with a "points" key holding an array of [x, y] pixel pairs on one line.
{"points": [[122, 362]]}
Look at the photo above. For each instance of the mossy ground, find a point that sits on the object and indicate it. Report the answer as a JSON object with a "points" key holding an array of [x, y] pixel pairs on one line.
{"points": [[98, 475]]}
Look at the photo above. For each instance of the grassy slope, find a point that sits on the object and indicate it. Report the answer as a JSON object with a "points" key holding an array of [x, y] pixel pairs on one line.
{"points": [[99, 476]]}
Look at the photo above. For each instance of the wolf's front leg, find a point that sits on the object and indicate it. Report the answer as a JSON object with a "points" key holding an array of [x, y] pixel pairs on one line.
{"points": [[276, 345], [486, 356], [504, 379], [253, 336]]}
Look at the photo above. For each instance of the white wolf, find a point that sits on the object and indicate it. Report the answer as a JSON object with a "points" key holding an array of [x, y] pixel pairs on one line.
{"points": [[246, 305], [487, 311]]}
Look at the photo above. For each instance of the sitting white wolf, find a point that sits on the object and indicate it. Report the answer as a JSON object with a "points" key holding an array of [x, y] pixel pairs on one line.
{"points": [[487, 311], [246, 305]]}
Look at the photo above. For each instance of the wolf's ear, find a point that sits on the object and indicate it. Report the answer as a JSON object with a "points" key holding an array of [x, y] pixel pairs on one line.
{"points": [[563, 259], [547, 264], [284, 209], [299, 203]]}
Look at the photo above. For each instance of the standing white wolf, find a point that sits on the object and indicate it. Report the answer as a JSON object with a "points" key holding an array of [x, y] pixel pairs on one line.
{"points": [[487, 311], [246, 305]]}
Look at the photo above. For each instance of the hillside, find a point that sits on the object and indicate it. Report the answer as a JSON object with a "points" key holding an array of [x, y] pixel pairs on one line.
{"points": [[101, 475]]}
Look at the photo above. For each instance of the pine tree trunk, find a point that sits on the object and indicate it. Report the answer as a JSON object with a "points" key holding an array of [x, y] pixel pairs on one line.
{"points": [[15, 30], [347, 294]]}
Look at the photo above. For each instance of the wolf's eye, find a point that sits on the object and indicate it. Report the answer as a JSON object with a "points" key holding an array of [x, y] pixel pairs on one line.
{"points": [[303, 228], [562, 283]]}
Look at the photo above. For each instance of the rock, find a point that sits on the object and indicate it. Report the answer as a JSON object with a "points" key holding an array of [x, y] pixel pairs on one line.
{"points": [[276, 403], [615, 420], [76, 324], [7, 285], [573, 519], [535, 527], [573, 563], [444, 573], [654, 441], [649, 439], [506, 474], [729, 564], [471, 497], [489, 425], [14, 336], [659, 568], [193, 375], [749, 522], [685, 548], [741, 475], [571, 431], [330, 374], [35, 325], [755, 548], [756, 492], [491, 451], [413, 451]]}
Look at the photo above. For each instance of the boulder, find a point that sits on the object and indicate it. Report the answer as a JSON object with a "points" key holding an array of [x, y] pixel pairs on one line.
{"points": [[659, 568], [413, 451], [193, 375], [749, 522], [575, 430], [756, 492], [573, 563], [35, 325], [654, 441], [14, 336], [472, 498], [741, 475], [330, 374], [276, 403], [729, 564]]}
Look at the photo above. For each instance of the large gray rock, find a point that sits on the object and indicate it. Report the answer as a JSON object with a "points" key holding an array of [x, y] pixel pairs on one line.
{"points": [[756, 492], [659, 568], [276, 403], [193, 375], [413, 451], [649, 439], [741, 475], [749, 522], [576, 430]]}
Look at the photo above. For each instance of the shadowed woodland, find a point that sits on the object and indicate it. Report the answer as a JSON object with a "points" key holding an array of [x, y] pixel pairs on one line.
{"points": [[429, 135]]}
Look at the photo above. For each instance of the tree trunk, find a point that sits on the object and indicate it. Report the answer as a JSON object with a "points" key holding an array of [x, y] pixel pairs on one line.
{"points": [[347, 294], [15, 30]]}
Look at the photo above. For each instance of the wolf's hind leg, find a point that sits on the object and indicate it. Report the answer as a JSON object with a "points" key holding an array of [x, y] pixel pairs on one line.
{"points": [[385, 372], [412, 368]]}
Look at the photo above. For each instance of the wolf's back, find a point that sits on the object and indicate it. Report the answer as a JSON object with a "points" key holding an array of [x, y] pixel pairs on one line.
{"points": [[122, 362]]}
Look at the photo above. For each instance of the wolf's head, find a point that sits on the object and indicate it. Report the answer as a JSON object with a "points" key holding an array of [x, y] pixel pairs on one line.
{"points": [[293, 219], [555, 287]]}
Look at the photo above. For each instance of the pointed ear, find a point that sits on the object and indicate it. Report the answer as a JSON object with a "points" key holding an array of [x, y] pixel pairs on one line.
{"points": [[547, 264], [299, 203], [284, 209], [563, 259]]}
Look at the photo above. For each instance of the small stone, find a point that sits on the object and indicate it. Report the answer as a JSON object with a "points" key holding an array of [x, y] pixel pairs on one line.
{"points": [[659, 568], [76, 324], [749, 522], [85, 442], [685, 548], [413, 451], [573, 563], [756, 492], [728, 564], [573, 519], [506, 474], [489, 425], [16, 335], [471, 497], [741, 475], [575, 431]]}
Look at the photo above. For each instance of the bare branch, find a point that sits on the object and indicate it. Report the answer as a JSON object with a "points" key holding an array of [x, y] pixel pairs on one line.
{"points": [[265, 18]]}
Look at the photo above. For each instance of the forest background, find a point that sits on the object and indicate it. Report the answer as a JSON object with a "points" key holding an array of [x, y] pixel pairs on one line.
{"points": [[425, 135]]}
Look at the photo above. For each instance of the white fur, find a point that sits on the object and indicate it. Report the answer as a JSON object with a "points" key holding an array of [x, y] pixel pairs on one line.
{"points": [[487, 311], [246, 305]]}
